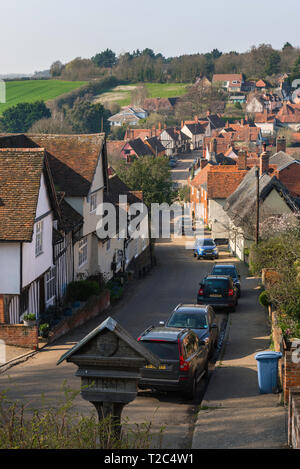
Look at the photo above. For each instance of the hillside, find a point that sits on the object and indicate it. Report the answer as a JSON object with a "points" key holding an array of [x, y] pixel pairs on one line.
{"points": [[35, 90], [122, 94]]}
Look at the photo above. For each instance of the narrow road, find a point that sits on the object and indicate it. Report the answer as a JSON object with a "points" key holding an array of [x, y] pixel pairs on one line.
{"points": [[174, 280]]}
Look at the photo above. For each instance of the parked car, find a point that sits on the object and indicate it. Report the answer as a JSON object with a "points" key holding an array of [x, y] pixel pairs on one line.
{"points": [[200, 318], [183, 360], [172, 163], [228, 269], [218, 291], [206, 248]]}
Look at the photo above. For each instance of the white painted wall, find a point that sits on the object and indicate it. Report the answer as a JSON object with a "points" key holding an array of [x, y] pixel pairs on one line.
{"points": [[9, 268], [218, 219], [34, 267]]}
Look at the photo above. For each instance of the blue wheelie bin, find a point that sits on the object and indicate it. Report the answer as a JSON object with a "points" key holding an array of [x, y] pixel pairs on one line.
{"points": [[267, 368]]}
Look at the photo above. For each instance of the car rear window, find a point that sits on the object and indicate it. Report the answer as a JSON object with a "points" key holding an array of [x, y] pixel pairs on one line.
{"points": [[213, 284], [224, 271], [164, 350], [194, 321]]}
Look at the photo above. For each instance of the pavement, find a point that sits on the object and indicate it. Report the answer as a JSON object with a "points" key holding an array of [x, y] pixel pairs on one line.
{"points": [[233, 414]]}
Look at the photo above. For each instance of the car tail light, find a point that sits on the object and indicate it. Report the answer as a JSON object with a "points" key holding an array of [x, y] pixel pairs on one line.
{"points": [[201, 292], [230, 292], [139, 338], [183, 365]]}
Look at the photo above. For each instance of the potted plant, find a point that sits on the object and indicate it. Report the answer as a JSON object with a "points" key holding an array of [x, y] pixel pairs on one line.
{"points": [[44, 329], [29, 319]]}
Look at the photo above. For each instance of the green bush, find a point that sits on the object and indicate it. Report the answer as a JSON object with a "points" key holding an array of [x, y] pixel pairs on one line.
{"points": [[82, 290], [264, 299], [29, 317]]}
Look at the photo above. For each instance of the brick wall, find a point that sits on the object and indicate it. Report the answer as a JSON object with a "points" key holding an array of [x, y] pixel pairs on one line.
{"points": [[19, 335], [291, 374], [92, 308], [2, 317]]}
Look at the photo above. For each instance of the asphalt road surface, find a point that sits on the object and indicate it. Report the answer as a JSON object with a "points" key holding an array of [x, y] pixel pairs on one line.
{"points": [[174, 280]]}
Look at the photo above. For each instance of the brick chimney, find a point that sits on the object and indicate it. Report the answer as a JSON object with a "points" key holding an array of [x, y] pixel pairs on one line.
{"points": [[264, 163], [203, 163], [242, 159], [213, 145], [281, 144]]}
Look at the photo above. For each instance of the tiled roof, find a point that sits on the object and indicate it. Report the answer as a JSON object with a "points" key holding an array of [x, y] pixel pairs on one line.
{"points": [[195, 129], [132, 134], [228, 77], [114, 147], [281, 159], [289, 113], [71, 219], [139, 147], [221, 181], [20, 177], [260, 84], [72, 159], [155, 145]]}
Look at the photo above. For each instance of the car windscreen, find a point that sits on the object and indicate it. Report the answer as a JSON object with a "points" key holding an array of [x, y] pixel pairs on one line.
{"points": [[190, 320], [164, 350], [215, 284], [205, 242], [225, 271]]}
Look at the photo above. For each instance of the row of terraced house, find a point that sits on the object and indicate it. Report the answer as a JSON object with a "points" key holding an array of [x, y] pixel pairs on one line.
{"points": [[51, 189]]}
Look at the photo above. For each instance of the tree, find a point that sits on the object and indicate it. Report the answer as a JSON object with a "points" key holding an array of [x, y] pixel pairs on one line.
{"points": [[273, 63], [106, 59], [51, 125], [85, 117], [199, 99], [150, 175], [21, 117], [56, 68], [287, 46]]}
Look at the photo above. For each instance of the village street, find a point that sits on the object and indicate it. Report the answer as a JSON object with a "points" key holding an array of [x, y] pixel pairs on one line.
{"points": [[174, 280]]}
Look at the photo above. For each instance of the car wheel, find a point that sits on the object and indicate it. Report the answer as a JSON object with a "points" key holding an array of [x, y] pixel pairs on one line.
{"points": [[191, 392], [198, 257]]}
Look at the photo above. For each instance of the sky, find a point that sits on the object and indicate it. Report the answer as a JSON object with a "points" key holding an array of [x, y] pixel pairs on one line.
{"points": [[35, 33]]}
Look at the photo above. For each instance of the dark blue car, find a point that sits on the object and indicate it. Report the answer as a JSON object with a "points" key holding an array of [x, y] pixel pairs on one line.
{"points": [[206, 248], [231, 270]]}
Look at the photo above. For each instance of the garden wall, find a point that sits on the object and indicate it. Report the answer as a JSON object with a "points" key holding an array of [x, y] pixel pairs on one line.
{"points": [[19, 335], [94, 306]]}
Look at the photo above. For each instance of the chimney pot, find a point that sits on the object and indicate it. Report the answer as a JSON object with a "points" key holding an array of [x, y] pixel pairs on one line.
{"points": [[281, 144], [242, 160], [264, 163]]}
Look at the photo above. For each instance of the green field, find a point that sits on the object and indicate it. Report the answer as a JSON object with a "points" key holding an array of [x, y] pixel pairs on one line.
{"points": [[28, 91], [122, 94]]}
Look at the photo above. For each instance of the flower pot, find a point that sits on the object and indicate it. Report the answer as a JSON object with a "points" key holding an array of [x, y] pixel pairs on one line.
{"points": [[29, 323]]}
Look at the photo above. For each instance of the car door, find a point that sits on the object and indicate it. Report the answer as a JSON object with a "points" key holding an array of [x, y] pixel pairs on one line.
{"points": [[213, 331], [198, 356]]}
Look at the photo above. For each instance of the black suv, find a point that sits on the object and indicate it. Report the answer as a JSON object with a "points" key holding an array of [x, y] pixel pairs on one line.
{"points": [[218, 291], [200, 318], [228, 269], [183, 360]]}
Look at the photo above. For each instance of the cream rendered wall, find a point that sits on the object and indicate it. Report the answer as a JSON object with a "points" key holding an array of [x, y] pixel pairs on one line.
{"points": [[34, 267], [276, 204], [218, 219], [106, 252], [9, 268]]}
